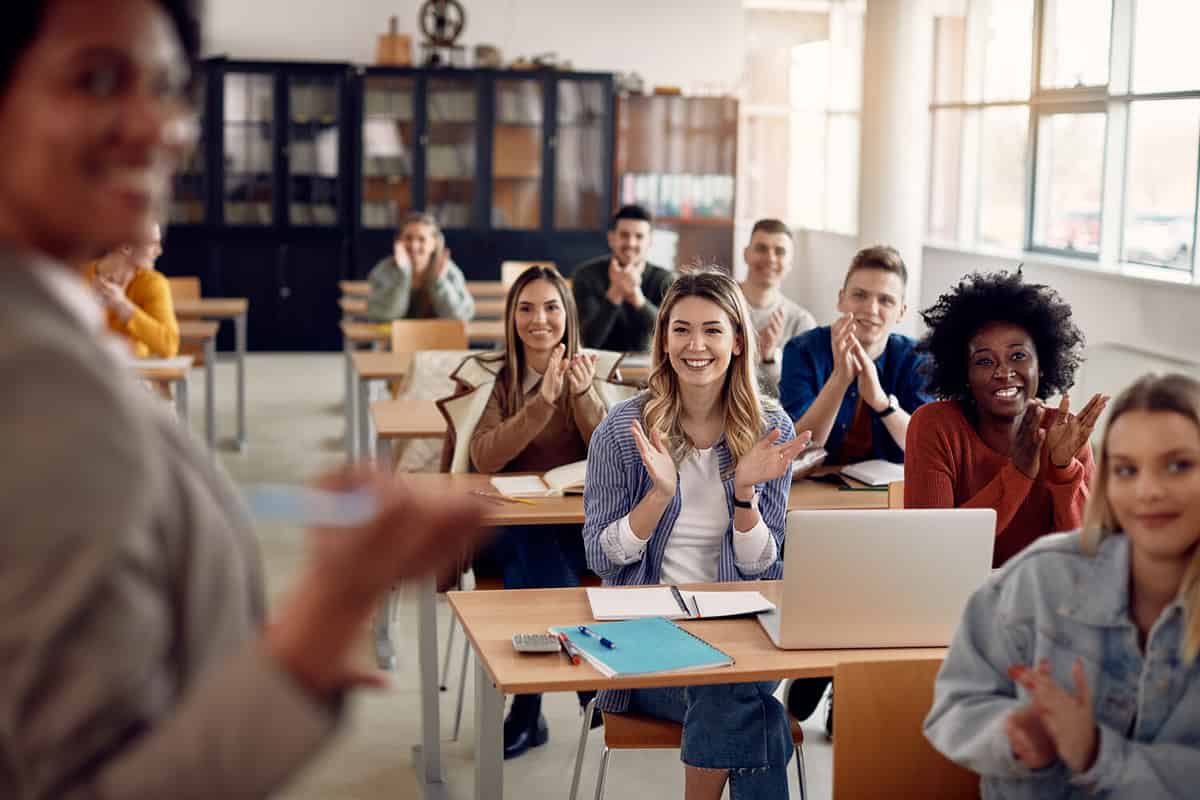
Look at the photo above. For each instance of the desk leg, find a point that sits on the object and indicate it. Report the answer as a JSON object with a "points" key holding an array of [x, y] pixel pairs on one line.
{"points": [[349, 405], [181, 400], [429, 753], [364, 418], [489, 737], [239, 333], [210, 394], [385, 654]]}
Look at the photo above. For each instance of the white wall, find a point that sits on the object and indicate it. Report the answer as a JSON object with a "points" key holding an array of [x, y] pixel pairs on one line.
{"points": [[695, 44], [1158, 317]]}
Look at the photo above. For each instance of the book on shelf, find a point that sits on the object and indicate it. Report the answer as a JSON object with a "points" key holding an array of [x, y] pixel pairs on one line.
{"points": [[567, 479], [672, 602]]}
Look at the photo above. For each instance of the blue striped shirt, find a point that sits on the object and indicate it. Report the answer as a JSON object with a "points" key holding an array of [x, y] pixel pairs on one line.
{"points": [[617, 481]]}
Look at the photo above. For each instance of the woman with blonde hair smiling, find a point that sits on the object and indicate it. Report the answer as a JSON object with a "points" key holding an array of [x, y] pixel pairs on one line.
{"points": [[688, 483], [1074, 671]]}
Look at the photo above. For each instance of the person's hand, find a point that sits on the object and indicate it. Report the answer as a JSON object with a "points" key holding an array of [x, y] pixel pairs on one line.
{"points": [[400, 254], [767, 460], [1026, 451], [437, 268], [1028, 740], [869, 387], [1069, 433], [845, 366], [553, 380], [633, 284], [113, 297], [770, 335], [581, 372], [318, 626], [1066, 716], [657, 460], [616, 282]]}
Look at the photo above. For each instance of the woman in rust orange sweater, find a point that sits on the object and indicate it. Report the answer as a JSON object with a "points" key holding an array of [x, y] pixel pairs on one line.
{"points": [[137, 297], [998, 348]]}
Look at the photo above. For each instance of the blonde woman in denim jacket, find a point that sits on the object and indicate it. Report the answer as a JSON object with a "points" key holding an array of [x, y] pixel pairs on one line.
{"points": [[688, 483], [1074, 672]]}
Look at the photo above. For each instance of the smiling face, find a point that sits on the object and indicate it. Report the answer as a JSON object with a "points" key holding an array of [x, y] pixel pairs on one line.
{"points": [[1002, 369], [876, 299], [768, 259], [1153, 473], [419, 240], [92, 125], [629, 241], [700, 342], [539, 317]]}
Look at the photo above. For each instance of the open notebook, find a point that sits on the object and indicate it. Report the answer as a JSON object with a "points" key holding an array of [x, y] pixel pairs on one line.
{"points": [[672, 603], [567, 479], [643, 647]]}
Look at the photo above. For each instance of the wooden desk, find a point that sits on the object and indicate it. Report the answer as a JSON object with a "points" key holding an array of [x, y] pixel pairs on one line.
{"points": [[404, 419], [174, 373], [369, 366], [544, 511], [491, 618], [204, 333], [219, 309], [356, 335], [355, 288], [489, 308], [353, 307], [481, 290]]}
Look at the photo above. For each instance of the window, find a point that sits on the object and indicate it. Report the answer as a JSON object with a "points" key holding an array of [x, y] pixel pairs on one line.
{"points": [[1070, 127], [799, 135]]}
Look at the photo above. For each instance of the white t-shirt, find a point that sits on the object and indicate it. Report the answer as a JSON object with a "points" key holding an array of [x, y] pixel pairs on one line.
{"points": [[694, 549]]}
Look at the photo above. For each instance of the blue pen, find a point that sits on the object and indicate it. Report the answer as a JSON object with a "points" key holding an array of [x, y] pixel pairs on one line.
{"points": [[586, 631]]}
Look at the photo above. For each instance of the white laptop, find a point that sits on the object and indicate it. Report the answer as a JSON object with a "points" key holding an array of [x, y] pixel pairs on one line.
{"points": [[879, 578]]}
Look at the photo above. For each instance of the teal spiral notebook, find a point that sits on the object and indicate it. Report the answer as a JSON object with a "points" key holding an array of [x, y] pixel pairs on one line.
{"points": [[644, 646]]}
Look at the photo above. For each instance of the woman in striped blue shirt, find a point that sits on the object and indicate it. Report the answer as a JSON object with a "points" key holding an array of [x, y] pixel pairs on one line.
{"points": [[688, 483]]}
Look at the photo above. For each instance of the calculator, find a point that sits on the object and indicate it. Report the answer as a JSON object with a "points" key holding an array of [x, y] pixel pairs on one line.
{"points": [[535, 643]]}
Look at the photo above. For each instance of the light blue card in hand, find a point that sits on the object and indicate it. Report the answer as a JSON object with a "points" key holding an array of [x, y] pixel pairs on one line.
{"points": [[316, 508]]}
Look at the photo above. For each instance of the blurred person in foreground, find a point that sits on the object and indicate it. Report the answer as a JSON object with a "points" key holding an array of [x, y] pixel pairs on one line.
{"points": [[134, 658]]}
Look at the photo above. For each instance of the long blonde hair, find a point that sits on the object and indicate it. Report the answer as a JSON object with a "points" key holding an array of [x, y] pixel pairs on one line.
{"points": [[740, 398], [513, 371], [1178, 394]]}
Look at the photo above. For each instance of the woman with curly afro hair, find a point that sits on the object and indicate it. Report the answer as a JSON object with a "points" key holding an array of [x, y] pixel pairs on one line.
{"points": [[998, 347]]}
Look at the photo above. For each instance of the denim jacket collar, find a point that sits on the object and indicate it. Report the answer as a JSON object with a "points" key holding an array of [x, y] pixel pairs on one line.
{"points": [[1101, 595]]}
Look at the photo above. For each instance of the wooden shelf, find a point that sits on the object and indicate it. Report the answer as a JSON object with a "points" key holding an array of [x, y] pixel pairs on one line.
{"points": [[698, 222]]}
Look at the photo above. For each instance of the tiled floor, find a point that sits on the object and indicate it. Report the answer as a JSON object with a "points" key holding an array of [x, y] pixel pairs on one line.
{"points": [[295, 431]]}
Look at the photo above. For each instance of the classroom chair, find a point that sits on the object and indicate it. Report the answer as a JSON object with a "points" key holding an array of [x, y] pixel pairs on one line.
{"points": [[412, 335], [880, 749], [511, 270], [896, 494], [638, 732]]}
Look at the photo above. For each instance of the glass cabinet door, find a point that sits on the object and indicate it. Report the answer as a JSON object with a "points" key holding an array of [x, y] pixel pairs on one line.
{"points": [[450, 142], [188, 201], [313, 148], [517, 154], [580, 172], [249, 139], [388, 136]]}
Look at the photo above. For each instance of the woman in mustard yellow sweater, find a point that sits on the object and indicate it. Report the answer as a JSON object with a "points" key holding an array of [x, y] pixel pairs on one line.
{"points": [[137, 297]]}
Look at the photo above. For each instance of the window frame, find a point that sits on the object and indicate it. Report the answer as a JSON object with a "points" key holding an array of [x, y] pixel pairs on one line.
{"points": [[1114, 100]]}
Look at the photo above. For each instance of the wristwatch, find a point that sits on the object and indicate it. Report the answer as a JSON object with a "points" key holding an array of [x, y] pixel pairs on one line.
{"points": [[751, 503], [892, 407]]}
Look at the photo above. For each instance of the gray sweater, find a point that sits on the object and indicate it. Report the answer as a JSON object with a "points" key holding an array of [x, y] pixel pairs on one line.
{"points": [[796, 320], [392, 296]]}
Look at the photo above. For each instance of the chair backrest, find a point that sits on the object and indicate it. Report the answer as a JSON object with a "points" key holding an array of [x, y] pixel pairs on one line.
{"points": [[879, 749], [511, 270], [411, 335], [896, 494], [184, 288]]}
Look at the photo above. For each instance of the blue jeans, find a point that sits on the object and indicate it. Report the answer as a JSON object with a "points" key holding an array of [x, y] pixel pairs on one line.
{"points": [[740, 727], [535, 556]]}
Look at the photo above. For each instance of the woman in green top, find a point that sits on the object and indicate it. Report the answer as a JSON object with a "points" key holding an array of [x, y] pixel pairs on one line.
{"points": [[418, 281]]}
